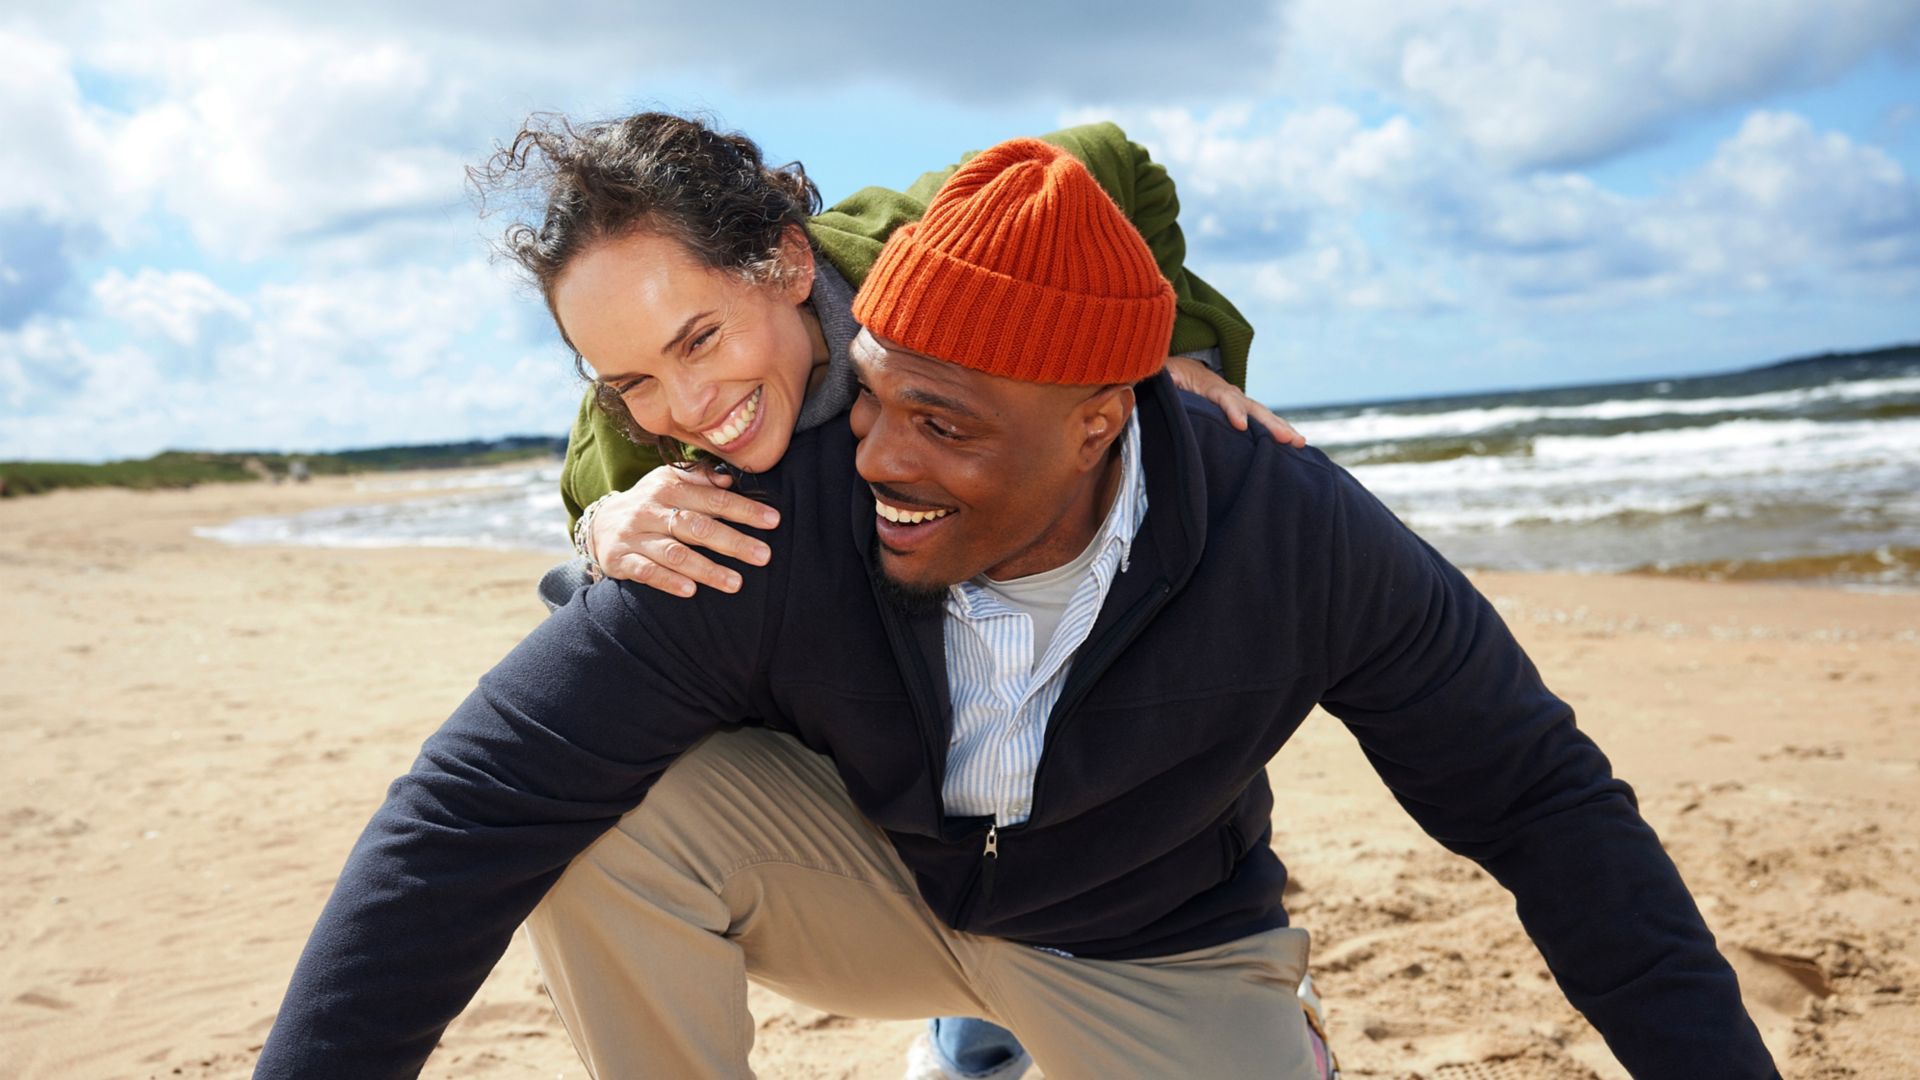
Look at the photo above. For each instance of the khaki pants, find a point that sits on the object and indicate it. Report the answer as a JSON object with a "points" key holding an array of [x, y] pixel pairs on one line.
{"points": [[748, 860]]}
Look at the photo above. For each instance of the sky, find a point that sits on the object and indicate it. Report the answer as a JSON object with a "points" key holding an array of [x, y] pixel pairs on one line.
{"points": [[229, 230]]}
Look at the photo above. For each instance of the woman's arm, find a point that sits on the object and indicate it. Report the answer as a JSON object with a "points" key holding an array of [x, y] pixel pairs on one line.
{"points": [[600, 458], [1195, 377]]}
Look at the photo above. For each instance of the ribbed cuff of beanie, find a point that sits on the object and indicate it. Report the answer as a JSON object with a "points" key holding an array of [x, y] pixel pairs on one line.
{"points": [[927, 301]]}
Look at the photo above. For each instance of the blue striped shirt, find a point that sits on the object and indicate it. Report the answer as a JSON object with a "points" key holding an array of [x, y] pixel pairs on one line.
{"points": [[1001, 696]]}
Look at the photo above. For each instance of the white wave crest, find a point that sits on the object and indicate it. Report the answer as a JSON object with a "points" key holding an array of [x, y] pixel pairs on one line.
{"points": [[1857, 469], [1377, 426]]}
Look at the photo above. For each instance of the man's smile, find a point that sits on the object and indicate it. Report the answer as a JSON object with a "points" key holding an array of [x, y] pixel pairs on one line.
{"points": [[904, 525], [902, 516]]}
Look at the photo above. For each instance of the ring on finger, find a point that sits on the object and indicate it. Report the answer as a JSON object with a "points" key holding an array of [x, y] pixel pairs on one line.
{"points": [[673, 518]]}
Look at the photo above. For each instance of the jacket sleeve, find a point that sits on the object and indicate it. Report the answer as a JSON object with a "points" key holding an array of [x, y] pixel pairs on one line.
{"points": [[561, 738], [1456, 720], [600, 458]]}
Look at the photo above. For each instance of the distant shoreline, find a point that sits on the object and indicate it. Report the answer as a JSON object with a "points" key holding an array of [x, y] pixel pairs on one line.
{"points": [[1888, 355], [185, 469]]}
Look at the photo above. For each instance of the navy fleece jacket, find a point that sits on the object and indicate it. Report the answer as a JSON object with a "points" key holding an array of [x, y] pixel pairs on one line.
{"points": [[1264, 581]]}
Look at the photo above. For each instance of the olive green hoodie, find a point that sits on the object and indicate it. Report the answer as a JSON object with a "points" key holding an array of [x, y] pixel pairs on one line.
{"points": [[851, 233]]}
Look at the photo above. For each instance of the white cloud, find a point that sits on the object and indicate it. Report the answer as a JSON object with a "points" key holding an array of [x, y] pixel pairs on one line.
{"points": [[409, 354], [324, 146], [36, 364], [264, 140], [62, 161], [1337, 271], [1569, 82], [1322, 152], [303, 123], [61, 197], [1326, 211], [69, 399], [1060, 49], [405, 320], [176, 305], [1780, 208], [1788, 198]]}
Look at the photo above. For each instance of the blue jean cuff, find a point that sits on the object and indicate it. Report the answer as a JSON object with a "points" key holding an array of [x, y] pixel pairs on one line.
{"points": [[970, 1049]]}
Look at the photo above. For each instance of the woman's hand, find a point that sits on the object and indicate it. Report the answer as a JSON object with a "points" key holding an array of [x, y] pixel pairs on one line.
{"points": [[648, 532], [1195, 377]]}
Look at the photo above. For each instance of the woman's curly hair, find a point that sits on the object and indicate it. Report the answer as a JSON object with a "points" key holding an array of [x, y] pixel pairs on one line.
{"points": [[671, 175]]}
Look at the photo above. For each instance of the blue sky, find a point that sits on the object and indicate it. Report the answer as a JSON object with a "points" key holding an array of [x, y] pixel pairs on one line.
{"points": [[250, 230]]}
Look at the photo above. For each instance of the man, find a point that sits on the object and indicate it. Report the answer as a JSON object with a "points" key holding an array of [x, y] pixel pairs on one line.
{"points": [[1012, 690]]}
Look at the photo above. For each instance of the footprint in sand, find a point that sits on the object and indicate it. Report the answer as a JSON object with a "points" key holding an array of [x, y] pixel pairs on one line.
{"points": [[1527, 1066], [1780, 981], [1777, 988]]}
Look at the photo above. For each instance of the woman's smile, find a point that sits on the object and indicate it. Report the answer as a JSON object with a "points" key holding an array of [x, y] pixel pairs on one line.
{"points": [[739, 425]]}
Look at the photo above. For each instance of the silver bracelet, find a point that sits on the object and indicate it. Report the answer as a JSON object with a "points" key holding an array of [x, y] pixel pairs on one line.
{"points": [[583, 536]]}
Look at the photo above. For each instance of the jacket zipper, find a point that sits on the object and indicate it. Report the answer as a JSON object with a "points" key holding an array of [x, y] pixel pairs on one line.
{"points": [[980, 890], [989, 859], [979, 886]]}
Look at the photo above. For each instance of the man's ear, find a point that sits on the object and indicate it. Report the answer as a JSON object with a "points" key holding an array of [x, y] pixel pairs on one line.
{"points": [[796, 264], [1101, 418]]}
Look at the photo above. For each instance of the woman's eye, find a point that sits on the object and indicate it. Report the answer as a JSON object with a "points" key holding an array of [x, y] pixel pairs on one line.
{"points": [[701, 340]]}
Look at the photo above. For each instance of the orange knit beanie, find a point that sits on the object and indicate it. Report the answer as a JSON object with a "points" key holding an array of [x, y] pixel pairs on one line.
{"points": [[1024, 268]]}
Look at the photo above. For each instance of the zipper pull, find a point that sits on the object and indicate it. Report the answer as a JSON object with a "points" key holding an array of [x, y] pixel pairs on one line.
{"points": [[993, 841]]}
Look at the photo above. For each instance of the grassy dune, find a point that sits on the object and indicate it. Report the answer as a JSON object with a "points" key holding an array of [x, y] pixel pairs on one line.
{"points": [[184, 469]]}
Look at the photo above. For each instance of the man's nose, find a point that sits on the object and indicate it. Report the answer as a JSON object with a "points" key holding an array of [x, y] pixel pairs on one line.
{"points": [[885, 454]]}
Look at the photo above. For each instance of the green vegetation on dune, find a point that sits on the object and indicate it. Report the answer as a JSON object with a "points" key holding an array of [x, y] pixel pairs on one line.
{"points": [[179, 468], [172, 469]]}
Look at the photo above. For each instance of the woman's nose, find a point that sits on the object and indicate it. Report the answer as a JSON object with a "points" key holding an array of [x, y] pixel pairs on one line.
{"points": [[690, 402]]}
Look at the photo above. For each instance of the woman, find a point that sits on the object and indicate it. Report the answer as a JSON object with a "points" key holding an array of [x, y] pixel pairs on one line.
{"points": [[737, 337], [803, 267]]}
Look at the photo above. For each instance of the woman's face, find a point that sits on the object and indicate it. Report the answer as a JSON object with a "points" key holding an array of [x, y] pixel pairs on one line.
{"points": [[696, 353]]}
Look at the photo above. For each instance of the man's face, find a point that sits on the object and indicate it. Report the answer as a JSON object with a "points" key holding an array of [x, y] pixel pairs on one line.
{"points": [[972, 473]]}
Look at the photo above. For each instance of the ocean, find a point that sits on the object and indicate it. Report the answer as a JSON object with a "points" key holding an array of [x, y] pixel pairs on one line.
{"points": [[1804, 471]]}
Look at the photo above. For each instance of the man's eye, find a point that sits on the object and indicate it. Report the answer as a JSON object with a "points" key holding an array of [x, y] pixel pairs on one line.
{"points": [[943, 430]]}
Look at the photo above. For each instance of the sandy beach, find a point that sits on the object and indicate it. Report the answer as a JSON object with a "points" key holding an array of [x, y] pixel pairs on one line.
{"points": [[196, 733]]}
